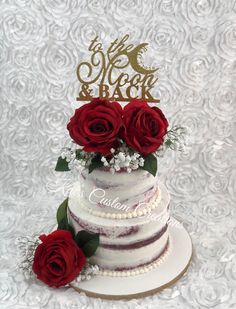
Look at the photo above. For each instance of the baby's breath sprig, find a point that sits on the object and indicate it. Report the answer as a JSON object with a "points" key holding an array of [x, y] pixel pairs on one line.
{"points": [[123, 158], [175, 139], [73, 157], [26, 248], [81, 158]]}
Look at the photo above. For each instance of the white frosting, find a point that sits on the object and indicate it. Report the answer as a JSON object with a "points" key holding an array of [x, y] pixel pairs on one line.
{"points": [[122, 232], [138, 212], [150, 223], [131, 258], [138, 270], [116, 193]]}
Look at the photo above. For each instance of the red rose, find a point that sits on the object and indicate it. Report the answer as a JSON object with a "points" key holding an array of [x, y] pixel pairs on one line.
{"points": [[145, 127], [58, 260], [96, 125]]}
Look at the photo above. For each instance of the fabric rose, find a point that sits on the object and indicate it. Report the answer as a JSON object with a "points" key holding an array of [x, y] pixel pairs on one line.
{"points": [[145, 127], [58, 260], [96, 126]]}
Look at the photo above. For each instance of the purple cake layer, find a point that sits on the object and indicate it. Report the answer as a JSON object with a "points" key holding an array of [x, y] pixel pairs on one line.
{"points": [[145, 264]]}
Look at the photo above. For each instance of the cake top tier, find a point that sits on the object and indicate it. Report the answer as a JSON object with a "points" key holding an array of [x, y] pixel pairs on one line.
{"points": [[77, 207], [106, 194]]}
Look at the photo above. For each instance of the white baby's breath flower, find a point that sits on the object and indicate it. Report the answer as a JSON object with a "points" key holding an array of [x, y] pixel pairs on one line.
{"points": [[126, 163], [135, 166], [117, 168], [120, 159], [121, 156], [103, 159], [26, 248], [128, 158], [175, 139], [141, 162], [63, 155], [112, 170]]}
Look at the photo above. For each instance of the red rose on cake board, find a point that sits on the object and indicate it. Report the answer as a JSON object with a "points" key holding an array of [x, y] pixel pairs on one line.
{"points": [[58, 260]]}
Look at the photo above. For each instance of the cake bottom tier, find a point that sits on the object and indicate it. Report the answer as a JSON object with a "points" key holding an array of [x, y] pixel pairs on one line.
{"points": [[129, 259]]}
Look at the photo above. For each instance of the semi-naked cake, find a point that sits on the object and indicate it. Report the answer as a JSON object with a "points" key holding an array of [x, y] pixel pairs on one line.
{"points": [[116, 220], [130, 211]]}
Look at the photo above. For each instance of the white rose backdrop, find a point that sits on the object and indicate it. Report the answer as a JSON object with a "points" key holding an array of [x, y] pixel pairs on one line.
{"points": [[193, 42]]}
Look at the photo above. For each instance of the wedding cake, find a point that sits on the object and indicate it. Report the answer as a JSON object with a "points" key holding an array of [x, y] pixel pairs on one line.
{"points": [[118, 207], [115, 221]]}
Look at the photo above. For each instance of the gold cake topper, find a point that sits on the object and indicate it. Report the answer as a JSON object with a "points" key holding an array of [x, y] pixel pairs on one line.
{"points": [[103, 69]]}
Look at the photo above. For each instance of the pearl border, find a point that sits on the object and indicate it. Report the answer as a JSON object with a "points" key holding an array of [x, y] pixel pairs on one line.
{"points": [[129, 215], [138, 270]]}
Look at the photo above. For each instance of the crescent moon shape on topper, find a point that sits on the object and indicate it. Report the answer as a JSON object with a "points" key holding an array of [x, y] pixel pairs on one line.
{"points": [[133, 59]]}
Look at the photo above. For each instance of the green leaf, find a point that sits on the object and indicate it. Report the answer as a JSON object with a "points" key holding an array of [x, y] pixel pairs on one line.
{"points": [[78, 154], [62, 210], [62, 165], [64, 225], [88, 242], [62, 219], [168, 142], [82, 238], [150, 164], [95, 163], [131, 151]]}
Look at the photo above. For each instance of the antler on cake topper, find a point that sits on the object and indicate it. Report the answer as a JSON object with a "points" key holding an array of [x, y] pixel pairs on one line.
{"points": [[103, 68]]}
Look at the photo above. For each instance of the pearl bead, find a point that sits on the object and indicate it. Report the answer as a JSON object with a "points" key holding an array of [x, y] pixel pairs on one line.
{"points": [[140, 212]]}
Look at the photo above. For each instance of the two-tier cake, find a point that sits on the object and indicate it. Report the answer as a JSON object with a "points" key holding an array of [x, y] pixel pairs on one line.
{"points": [[116, 221]]}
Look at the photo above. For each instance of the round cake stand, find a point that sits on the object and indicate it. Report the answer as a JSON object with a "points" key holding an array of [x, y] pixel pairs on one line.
{"points": [[167, 273]]}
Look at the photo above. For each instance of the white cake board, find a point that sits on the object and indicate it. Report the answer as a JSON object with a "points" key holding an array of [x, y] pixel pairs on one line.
{"points": [[173, 267]]}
